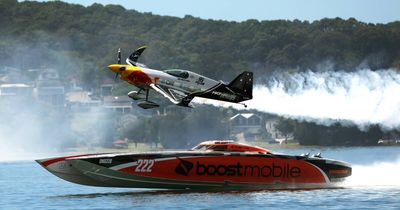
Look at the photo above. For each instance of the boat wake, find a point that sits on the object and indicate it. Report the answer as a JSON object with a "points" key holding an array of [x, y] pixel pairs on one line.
{"points": [[379, 174]]}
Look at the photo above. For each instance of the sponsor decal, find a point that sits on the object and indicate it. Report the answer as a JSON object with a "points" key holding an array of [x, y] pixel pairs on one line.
{"points": [[224, 95], [200, 81], [105, 161], [62, 165], [138, 77], [184, 167], [144, 165], [271, 170]]}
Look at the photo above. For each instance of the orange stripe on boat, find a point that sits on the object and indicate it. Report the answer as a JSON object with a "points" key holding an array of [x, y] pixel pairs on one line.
{"points": [[338, 171]]}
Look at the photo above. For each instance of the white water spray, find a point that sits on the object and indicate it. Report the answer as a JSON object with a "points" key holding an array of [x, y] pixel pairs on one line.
{"points": [[363, 97], [379, 174]]}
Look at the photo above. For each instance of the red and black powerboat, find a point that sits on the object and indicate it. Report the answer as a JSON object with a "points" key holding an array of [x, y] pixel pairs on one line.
{"points": [[211, 165]]}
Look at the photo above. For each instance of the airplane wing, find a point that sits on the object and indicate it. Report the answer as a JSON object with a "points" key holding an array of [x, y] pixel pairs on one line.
{"points": [[175, 96]]}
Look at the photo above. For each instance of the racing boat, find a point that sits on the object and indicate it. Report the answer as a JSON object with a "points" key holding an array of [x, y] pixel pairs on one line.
{"points": [[211, 165]]}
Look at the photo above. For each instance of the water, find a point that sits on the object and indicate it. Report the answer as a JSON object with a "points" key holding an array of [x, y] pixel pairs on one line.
{"points": [[375, 184]]}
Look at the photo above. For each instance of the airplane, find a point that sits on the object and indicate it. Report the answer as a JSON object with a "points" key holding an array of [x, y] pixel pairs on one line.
{"points": [[179, 86]]}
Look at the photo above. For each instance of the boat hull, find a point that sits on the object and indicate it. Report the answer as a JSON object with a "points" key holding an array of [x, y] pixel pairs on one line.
{"points": [[201, 170]]}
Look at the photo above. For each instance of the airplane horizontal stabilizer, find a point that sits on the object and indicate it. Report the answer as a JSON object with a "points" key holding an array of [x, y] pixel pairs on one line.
{"points": [[240, 89], [186, 101]]}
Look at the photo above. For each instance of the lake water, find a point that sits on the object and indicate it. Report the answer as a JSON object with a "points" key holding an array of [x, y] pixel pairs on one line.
{"points": [[375, 184]]}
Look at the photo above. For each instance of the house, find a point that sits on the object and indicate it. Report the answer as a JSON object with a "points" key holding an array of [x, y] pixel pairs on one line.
{"points": [[81, 101], [49, 88], [106, 90], [122, 104], [53, 96], [247, 126], [13, 75], [18, 89]]}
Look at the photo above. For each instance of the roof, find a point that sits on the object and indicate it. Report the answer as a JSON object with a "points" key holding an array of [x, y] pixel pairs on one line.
{"points": [[56, 90], [20, 85], [117, 101], [245, 115], [120, 142], [81, 96]]}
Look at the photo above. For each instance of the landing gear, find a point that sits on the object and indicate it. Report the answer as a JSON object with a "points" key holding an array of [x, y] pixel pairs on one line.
{"points": [[135, 95], [146, 104]]}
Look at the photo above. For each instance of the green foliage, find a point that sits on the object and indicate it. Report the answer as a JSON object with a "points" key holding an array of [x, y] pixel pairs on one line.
{"points": [[81, 41], [90, 36], [185, 127], [285, 127], [335, 135]]}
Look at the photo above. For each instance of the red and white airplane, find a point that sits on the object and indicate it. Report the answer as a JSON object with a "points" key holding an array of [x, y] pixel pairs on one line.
{"points": [[179, 86]]}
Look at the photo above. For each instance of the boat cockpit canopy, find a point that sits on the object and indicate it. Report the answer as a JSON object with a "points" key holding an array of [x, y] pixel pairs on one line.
{"points": [[228, 146]]}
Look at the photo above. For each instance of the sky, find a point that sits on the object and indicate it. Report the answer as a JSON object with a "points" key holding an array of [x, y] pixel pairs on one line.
{"points": [[370, 11]]}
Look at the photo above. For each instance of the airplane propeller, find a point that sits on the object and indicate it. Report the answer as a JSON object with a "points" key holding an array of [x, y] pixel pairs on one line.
{"points": [[119, 55], [119, 62]]}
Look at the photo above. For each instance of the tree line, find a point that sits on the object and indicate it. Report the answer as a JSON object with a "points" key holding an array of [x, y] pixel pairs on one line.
{"points": [[81, 41], [90, 36]]}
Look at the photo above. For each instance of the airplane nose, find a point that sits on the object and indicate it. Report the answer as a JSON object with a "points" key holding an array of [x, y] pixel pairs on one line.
{"points": [[114, 67]]}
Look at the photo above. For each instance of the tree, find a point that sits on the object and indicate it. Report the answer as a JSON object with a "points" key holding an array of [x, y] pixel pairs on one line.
{"points": [[285, 127]]}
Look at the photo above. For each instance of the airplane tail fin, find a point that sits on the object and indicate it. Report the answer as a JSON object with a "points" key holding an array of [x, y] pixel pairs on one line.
{"points": [[243, 84], [133, 58]]}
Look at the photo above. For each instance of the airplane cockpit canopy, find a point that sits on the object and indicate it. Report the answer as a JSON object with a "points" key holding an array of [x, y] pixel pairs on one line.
{"points": [[178, 73]]}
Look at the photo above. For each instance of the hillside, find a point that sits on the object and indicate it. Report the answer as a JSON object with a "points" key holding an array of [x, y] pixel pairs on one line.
{"points": [[83, 40]]}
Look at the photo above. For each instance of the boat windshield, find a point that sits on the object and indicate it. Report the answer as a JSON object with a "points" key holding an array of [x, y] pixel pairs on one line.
{"points": [[199, 147], [210, 147], [229, 147], [178, 73]]}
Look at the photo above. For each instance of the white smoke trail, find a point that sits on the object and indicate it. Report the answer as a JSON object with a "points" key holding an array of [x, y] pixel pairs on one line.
{"points": [[363, 97]]}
